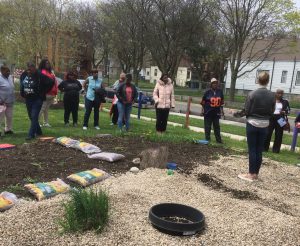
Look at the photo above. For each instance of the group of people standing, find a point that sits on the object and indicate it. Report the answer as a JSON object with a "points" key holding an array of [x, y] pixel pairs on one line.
{"points": [[264, 111]]}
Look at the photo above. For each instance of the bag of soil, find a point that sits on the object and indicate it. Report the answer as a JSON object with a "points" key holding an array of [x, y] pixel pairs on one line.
{"points": [[45, 190], [107, 156], [65, 141], [86, 147], [7, 200], [88, 177]]}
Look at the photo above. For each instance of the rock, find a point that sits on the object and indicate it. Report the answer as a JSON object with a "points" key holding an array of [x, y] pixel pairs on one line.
{"points": [[134, 170], [154, 157], [136, 160]]}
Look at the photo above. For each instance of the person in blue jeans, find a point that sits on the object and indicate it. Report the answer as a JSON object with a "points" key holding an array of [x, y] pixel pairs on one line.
{"points": [[259, 107], [126, 94], [91, 84], [33, 87]]}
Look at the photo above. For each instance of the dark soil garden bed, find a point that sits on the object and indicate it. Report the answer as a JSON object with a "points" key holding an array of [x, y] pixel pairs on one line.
{"points": [[44, 161]]}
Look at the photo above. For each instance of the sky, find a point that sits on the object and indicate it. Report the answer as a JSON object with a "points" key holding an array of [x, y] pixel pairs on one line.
{"points": [[297, 3]]}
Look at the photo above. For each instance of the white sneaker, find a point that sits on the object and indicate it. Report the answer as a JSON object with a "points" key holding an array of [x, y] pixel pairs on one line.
{"points": [[97, 127], [84, 128], [47, 125]]}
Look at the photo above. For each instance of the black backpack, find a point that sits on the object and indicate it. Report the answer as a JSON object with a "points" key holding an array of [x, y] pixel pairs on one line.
{"points": [[100, 94]]}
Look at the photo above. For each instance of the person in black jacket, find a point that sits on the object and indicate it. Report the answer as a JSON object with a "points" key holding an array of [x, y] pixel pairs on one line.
{"points": [[71, 88], [259, 108], [279, 117], [212, 103], [33, 87], [126, 94]]}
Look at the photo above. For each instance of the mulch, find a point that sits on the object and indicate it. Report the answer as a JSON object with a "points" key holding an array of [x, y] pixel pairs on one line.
{"points": [[43, 161]]}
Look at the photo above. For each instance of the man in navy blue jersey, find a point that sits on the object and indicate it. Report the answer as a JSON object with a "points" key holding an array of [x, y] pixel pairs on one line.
{"points": [[212, 103]]}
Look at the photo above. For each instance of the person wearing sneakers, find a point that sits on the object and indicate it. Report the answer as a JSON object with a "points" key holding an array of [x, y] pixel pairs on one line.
{"points": [[127, 94], [164, 98], [7, 98], [259, 107], [33, 87], [71, 88], [91, 84], [212, 109], [46, 69]]}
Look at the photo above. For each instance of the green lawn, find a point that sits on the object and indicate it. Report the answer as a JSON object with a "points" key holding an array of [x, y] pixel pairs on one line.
{"points": [[139, 128], [236, 130]]}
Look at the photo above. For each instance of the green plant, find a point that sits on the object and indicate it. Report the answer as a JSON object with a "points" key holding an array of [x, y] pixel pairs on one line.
{"points": [[30, 180], [87, 210], [15, 188]]}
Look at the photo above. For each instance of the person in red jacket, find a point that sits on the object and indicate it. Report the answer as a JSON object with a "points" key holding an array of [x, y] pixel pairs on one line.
{"points": [[46, 69]]}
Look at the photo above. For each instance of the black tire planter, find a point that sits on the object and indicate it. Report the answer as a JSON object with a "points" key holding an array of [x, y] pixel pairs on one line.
{"points": [[158, 214]]}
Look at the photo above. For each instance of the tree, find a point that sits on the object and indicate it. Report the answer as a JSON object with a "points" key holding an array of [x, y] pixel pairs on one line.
{"points": [[127, 36], [87, 19], [243, 23]]}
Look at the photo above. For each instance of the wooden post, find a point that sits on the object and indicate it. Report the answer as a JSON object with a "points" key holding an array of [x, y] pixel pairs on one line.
{"points": [[187, 115]]}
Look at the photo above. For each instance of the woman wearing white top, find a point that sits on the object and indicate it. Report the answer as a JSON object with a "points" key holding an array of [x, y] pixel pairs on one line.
{"points": [[282, 109]]}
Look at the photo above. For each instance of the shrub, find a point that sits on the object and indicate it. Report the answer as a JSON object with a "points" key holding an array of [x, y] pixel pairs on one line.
{"points": [[87, 210]]}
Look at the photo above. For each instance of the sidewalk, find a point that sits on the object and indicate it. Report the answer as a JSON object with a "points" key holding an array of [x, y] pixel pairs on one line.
{"points": [[199, 129]]}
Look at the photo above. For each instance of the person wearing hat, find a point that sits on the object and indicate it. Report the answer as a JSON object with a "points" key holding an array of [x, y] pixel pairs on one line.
{"points": [[126, 94], [71, 88], [212, 103]]}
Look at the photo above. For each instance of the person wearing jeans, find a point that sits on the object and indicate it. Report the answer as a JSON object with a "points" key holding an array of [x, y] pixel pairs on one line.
{"points": [[212, 106], [164, 99], [259, 108], [126, 94], [33, 87], [91, 100], [34, 106]]}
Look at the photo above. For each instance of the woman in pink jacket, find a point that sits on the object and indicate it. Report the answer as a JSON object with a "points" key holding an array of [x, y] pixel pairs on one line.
{"points": [[163, 96]]}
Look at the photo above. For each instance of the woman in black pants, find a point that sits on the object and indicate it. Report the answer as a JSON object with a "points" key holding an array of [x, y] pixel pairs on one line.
{"points": [[71, 88], [163, 96], [282, 109]]}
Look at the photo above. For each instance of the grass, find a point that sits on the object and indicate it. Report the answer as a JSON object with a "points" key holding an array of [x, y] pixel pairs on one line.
{"points": [[236, 130], [87, 210], [139, 128]]}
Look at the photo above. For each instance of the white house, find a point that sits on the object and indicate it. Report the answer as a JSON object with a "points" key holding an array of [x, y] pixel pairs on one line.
{"points": [[283, 65], [183, 73]]}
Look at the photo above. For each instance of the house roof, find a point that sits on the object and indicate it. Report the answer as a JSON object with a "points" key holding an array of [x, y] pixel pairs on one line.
{"points": [[284, 50]]}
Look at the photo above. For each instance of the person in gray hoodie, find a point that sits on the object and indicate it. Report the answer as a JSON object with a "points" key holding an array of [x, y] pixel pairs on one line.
{"points": [[7, 97], [259, 107]]}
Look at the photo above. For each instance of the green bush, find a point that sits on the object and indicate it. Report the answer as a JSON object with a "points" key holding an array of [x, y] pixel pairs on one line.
{"points": [[87, 210]]}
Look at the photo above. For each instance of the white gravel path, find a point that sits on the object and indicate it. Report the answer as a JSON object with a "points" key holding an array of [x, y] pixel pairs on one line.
{"points": [[271, 219]]}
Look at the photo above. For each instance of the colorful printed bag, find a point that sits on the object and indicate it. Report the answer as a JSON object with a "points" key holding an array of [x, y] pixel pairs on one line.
{"points": [[88, 177], [49, 189]]}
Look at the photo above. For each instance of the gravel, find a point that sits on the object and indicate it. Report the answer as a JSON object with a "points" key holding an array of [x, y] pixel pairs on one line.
{"points": [[266, 212]]}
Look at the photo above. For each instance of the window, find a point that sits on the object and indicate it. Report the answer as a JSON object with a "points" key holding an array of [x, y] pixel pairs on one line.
{"points": [[154, 81], [260, 71], [155, 72], [148, 73], [188, 74], [297, 82], [284, 76]]}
